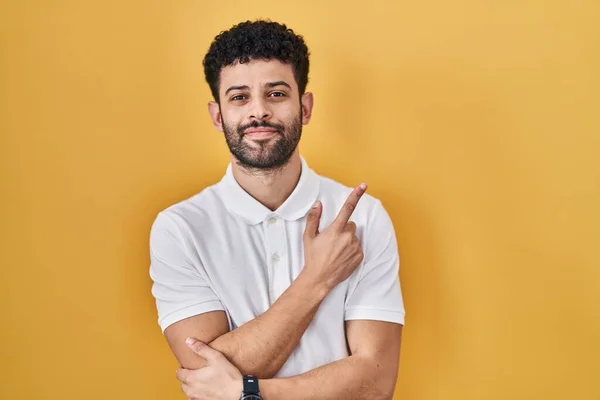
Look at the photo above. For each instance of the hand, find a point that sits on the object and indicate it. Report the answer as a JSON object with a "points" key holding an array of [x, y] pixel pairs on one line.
{"points": [[333, 254], [218, 380]]}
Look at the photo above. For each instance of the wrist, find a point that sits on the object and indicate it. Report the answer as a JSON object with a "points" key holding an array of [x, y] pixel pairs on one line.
{"points": [[313, 285], [275, 389]]}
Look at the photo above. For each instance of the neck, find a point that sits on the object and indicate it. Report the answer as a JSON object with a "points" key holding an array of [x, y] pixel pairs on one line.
{"points": [[270, 187]]}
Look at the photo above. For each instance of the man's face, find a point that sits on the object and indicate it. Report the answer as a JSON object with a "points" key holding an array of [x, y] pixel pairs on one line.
{"points": [[260, 112]]}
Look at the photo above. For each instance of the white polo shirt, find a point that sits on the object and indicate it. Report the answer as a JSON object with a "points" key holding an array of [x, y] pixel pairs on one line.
{"points": [[223, 250]]}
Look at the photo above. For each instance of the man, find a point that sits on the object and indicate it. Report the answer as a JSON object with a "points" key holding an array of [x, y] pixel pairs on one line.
{"points": [[263, 284]]}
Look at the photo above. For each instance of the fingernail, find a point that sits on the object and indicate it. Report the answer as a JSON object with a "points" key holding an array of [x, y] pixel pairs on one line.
{"points": [[363, 186], [190, 341], [316, 204]]}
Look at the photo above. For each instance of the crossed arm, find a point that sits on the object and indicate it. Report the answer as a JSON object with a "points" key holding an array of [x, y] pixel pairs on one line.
{"points": [[262, 346]]}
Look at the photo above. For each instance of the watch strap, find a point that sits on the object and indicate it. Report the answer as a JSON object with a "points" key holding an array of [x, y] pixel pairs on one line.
{"points": [[251, 384]]}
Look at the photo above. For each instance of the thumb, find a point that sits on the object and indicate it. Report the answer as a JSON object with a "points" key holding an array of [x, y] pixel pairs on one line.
{"points": [[203, 350], [312, 220]]}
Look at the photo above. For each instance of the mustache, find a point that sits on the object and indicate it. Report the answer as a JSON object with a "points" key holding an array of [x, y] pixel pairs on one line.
{"points": [[263, 124]]}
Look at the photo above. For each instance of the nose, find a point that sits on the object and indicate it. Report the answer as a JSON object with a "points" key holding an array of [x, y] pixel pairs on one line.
{"points": [[259, 109]]}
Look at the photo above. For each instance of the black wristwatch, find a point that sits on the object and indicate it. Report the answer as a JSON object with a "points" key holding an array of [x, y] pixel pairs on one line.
{"points": [[251, 391]]}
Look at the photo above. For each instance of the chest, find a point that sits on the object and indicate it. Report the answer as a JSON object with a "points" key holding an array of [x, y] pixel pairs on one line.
{"points": [[250, 266]]}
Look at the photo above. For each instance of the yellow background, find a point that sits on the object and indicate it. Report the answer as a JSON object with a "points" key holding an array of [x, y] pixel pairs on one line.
{"points": [[476, 123]]}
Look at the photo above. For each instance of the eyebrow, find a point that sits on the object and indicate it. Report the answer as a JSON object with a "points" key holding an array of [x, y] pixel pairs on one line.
{"points": [[243, 87], [278, 83], [268, 84]]}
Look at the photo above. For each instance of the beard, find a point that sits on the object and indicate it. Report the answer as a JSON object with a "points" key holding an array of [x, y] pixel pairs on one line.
{"points": [[265, 154]]}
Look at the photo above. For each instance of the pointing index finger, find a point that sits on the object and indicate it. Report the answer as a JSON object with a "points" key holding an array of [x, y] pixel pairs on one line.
{"points": [[348, 208]]}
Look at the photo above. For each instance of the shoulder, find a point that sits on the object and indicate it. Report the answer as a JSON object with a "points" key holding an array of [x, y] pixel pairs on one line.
{"points": [[374, 225], [189, 216]]}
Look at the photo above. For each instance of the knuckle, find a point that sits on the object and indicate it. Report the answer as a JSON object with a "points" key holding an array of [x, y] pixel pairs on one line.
{"points": [[349, 206], [348, 238], [198, 347]]}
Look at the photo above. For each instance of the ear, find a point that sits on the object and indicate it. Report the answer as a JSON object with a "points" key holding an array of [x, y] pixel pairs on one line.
{"points": [[306, 102], [215, 115]]}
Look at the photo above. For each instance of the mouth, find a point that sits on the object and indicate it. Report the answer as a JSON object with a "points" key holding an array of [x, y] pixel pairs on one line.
{"points": [[260, 133]]}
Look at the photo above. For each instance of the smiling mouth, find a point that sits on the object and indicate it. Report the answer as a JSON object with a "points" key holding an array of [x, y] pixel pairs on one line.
{"points": [[260, 133]]}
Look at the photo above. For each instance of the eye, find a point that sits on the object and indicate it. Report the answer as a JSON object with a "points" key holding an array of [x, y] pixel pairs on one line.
{"points": [[277, 94], [238, 97]]}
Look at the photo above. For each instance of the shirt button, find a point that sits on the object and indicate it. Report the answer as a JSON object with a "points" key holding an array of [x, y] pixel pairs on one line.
{"points": [[275, 257], [272, 220]]}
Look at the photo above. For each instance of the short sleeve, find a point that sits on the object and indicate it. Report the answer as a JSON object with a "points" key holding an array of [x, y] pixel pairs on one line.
{"points": [[377, 295], [179, 286]]}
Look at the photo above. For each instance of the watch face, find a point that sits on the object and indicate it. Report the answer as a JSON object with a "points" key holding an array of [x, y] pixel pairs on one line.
{"points": [[252, 397]]}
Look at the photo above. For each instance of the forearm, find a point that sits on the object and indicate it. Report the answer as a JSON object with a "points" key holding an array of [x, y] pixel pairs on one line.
{"points": [[354, 377], [261, 346]]}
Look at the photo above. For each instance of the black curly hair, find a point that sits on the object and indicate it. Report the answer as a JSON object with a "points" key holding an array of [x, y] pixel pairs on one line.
{"points": [[260, 39]]}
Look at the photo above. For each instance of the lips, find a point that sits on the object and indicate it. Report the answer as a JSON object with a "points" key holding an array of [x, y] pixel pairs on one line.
{"points": [[260, 132]]}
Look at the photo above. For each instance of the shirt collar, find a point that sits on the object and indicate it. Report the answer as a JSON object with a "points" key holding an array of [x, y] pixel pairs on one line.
{"points": [[239, 202]]}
